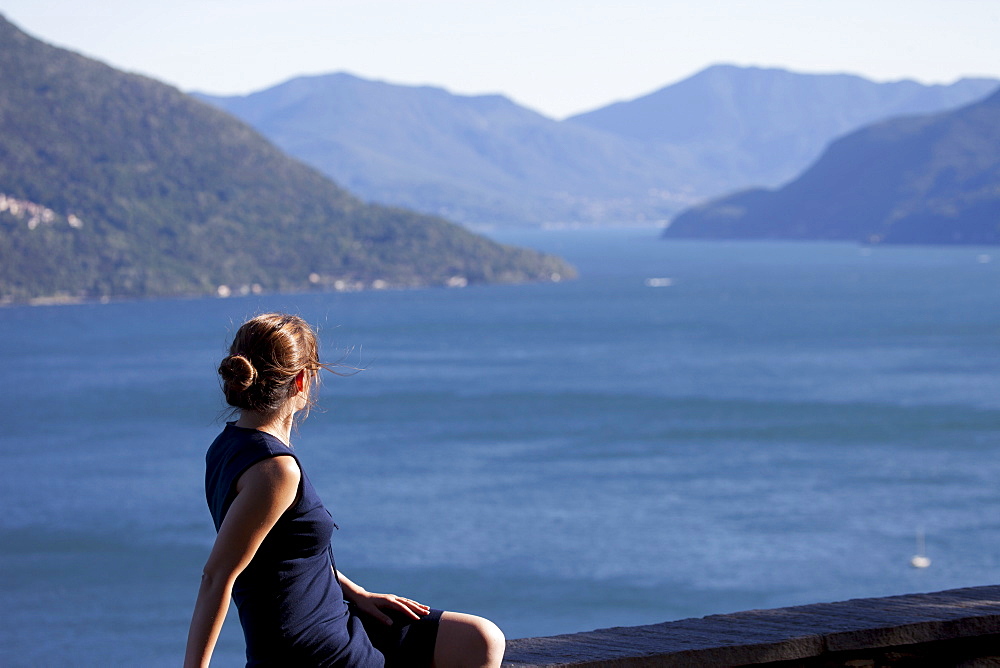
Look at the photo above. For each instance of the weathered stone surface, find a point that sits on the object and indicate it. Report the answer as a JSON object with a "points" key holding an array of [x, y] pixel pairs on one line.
{"points": [[779, 635]]}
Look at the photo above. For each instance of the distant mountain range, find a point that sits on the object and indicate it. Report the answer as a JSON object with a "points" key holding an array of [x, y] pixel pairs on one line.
{"points": [[932, 179], [115, 185], [473, 159], [752, 126], [485, 160]]}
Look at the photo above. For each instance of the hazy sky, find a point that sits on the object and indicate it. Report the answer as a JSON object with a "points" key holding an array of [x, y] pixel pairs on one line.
{"points": [[555, 56]]}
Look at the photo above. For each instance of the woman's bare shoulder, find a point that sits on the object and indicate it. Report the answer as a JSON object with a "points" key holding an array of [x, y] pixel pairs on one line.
{"points": [[272, 474]]}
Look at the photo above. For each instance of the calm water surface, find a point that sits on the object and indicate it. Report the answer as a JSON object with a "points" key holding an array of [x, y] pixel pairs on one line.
{"points": [[771, 428]]}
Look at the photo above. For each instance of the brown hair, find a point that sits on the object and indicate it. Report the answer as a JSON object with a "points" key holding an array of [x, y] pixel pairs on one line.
{"points": [[267, 353]]}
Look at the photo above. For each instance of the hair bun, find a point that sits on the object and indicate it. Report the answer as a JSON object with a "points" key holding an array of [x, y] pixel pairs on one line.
{"points": [[237, 371]]}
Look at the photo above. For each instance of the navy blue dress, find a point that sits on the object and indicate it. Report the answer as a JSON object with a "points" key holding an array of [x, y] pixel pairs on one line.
{"points": [[290, 603]]}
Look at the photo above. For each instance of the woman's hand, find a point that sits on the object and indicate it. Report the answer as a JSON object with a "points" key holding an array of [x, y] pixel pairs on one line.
{"points": [[373, 605]]}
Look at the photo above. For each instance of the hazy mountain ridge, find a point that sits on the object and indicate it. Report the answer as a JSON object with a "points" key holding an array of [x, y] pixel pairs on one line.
{"points": [[763, 126], [151, 192], [476, 158], [483, 159], [931, 179]]}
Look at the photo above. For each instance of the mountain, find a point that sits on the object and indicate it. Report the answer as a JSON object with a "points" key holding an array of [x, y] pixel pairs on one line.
{"points": [[477, 159], [750, 126], [485, 160], [115, 185], [932, 179]]}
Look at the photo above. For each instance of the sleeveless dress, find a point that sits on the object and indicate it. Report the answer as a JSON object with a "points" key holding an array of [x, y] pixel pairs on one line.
{"points": [[290, 603]]}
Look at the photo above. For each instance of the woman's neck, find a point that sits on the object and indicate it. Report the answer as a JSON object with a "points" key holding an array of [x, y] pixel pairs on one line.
{"points": [[278, 425]]}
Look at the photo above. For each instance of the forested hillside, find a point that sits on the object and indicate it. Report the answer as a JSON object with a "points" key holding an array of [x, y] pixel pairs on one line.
{"points": [[115, 185], [931, 179]]}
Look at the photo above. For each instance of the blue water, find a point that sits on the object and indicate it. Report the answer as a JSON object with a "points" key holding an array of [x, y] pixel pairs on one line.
{"points": [[772, 428]]}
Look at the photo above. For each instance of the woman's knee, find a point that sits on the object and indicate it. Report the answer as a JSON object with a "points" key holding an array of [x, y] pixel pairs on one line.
{"points": [[493, 639], [468, 641]]}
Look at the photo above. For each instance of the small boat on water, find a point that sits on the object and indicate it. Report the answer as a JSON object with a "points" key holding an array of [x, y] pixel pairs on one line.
{"points": [[659, 282], [920, 560]]}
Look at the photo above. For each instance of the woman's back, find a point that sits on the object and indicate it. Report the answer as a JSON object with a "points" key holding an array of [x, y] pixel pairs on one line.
{"points": [[290, 604]]}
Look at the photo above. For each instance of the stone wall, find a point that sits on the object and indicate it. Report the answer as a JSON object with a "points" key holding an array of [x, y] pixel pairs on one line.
{"points": [[960, 627]]}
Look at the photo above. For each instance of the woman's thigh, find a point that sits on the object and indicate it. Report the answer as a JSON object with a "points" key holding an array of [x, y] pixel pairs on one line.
{"points": [[467, 641]]}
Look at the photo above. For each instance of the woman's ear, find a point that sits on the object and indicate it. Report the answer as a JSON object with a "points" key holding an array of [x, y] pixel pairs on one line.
{"points": [[300, 381]]}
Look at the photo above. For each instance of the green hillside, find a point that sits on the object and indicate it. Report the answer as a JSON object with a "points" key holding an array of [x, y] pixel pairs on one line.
{"points": [[115, 185], [917, 180]]}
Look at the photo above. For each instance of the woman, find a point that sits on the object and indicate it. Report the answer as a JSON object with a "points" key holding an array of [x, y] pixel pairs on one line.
{"points": [[272, 553]]}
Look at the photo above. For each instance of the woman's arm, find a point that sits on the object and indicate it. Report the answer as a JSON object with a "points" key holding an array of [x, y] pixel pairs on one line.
{"points": [[265, 491], [373, 604]]}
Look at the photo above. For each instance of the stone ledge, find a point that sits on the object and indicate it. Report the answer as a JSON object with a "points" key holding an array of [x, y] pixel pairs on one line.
{"points": [[800, 633]]}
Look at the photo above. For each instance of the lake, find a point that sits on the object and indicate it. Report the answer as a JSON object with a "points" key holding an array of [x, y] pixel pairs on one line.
{"points": [[689, 428]]}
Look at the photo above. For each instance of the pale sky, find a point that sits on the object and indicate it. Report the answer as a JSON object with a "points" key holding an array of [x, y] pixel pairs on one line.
{"points": [[557, 57]]}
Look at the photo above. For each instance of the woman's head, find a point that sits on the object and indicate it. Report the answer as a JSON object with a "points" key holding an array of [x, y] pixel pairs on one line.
{"points": [[273, 358]]}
